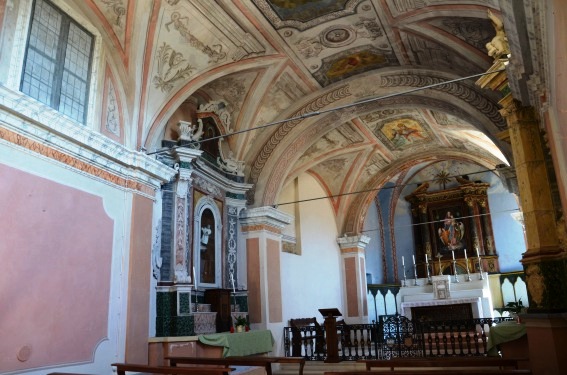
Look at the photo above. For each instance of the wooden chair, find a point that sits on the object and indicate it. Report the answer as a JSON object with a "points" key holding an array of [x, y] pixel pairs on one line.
{"points": [[298, 340]]}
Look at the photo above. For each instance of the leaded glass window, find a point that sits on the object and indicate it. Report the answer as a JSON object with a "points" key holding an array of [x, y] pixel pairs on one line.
{"points": [[58, 61]]}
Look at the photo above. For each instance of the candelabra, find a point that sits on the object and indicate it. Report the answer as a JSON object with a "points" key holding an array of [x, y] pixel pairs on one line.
{"points": [[415, 275], [480, 275], [455, 277], [439, 256], [468, 273], [404, 280]]}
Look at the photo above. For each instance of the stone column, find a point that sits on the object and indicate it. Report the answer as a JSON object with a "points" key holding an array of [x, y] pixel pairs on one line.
{"points": [[262, 230], [354, 268]]}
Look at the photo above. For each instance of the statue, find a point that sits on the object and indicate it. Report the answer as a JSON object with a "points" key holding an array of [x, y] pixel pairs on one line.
{"points": [[498, 46], [205, 233], [189, 132], [229, 164]]}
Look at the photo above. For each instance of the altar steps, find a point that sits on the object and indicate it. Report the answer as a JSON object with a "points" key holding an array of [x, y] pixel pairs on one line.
{"points": [[319, 367]]}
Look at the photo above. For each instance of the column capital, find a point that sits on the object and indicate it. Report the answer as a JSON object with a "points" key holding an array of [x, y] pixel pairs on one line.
{"points": [[264, 218], [355, 243]]}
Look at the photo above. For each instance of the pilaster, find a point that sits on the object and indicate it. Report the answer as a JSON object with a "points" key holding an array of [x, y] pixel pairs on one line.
{"points": [[262, 230], [354, 270]]}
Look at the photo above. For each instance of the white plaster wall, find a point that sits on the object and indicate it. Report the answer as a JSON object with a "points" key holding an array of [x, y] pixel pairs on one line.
{"points": [[312, 280], [374, 248]]}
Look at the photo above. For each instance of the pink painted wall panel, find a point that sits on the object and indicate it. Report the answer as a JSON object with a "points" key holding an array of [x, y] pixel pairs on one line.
{"points": [[139, 281], [351, 289], [363, 273], [56, 246], [253, 276], [274, 281]]}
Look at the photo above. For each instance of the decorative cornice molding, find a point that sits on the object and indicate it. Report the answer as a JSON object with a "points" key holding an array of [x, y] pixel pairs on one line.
{"points": [[42, 130]]}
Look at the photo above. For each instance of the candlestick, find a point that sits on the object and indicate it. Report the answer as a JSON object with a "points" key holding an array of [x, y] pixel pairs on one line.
{"points": [[455, 277], [439, 256], [468, 278], [414, 273], [480, 275], [404, 268], [232, 281]]}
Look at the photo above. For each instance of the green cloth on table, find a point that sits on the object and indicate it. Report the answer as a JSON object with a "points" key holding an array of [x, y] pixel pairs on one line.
{"points": [[239, 344], [503, 332]]}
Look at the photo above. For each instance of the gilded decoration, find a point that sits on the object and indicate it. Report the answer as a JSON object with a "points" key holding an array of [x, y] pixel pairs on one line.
{"points": [[535, 283]]}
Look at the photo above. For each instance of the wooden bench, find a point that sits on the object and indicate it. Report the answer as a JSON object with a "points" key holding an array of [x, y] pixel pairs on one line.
{"points": [[497, 362], [435, 372], [121, 369], [260, 361]]}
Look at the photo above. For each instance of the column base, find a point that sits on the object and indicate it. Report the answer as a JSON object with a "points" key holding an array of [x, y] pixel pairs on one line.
{"points": [[547, 340]]}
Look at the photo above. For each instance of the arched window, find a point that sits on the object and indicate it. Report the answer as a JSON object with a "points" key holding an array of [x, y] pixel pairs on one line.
{"points": [[207, 256]]}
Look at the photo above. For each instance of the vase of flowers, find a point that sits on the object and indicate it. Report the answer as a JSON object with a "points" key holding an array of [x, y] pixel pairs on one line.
{"points": [[515, 308], [240, 322]]}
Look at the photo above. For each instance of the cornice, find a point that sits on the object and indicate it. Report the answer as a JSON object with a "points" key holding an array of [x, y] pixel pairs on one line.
{"points": [[38, 128]]}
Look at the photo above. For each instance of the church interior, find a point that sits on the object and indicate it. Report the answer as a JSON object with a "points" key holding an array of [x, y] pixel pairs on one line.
{"points": [[185, 167]]}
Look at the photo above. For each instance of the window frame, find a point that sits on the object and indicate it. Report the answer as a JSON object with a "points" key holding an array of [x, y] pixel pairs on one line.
{"points": [[62, 44]]}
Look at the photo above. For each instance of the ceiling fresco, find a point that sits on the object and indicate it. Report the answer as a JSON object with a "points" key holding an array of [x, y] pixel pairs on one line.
{"points": [[369, 88]]}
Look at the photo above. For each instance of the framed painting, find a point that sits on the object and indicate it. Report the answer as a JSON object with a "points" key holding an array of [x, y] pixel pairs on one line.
{"points": [[449, 227]]}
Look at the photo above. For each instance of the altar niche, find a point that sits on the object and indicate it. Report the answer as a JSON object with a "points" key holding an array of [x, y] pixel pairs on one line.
{"points": [[450, 221], [207, 242]]}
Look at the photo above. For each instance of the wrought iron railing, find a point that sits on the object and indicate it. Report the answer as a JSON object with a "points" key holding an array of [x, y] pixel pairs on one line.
{"points": [[395, 336]]}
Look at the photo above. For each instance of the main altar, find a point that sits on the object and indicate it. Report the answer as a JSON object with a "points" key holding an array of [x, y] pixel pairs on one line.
{"points": [[445, 299]]}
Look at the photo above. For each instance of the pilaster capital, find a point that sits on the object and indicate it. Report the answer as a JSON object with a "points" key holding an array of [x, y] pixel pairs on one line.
{"points": [[265, 217], [353, 242]]}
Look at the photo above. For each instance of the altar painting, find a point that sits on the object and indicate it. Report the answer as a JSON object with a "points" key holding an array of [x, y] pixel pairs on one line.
{"points": [[450, 229]]}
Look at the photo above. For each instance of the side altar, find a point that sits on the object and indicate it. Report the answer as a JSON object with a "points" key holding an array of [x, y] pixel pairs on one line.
{"points": [[445, 299]]}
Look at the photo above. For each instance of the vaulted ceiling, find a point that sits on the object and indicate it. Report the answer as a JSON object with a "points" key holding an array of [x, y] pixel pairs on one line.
{"points": [[372, 88]]}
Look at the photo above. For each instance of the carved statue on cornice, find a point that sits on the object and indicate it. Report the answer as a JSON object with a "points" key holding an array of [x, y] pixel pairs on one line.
{"points": [[498, 46], [190, 132], [228, 163]]}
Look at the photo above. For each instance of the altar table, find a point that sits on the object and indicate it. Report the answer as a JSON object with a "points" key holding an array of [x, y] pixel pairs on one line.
{"points": [[241, 343], [504, 332]]}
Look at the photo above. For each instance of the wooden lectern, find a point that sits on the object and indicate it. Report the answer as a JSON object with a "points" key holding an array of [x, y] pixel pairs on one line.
{"points": [[331, 339]]}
